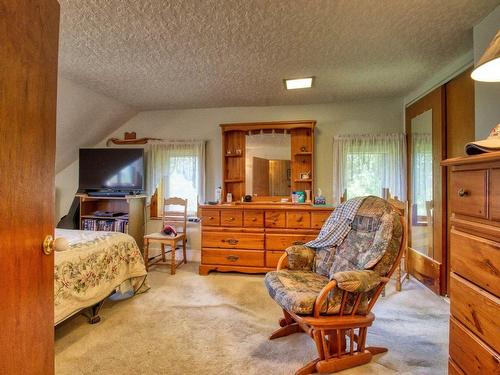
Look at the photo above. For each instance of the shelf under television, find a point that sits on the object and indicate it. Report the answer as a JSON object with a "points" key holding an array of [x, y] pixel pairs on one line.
{"points": [[105, 217]]}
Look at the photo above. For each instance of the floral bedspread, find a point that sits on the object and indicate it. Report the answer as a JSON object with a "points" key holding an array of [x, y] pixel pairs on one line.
{"points": [[93, 266]]}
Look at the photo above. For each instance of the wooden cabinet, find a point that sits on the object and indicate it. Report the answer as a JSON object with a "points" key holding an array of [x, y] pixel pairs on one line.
{"points": [[252, 237], [131, 220], [475, 263]]}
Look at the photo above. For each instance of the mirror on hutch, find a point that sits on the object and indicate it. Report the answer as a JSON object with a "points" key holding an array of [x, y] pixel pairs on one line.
{"points": [[267, 161]]}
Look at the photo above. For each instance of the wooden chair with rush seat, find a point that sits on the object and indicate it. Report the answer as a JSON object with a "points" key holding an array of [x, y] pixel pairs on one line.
{"points": [[177, 219], [334, 309]]}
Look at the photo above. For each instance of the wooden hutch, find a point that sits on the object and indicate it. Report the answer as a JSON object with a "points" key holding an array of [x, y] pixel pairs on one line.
{"points": [[250, 237]]}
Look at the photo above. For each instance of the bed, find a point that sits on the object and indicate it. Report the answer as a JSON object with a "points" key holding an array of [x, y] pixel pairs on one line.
{"points": [[92, 267]]}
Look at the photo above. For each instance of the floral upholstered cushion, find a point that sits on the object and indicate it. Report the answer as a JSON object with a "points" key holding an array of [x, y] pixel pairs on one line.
{"points": [[324, 260], [296, 291], [300, 258], [371, 235], [357, 281]]}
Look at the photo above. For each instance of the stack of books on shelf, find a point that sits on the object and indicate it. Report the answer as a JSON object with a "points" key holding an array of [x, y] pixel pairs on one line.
{"points": [[118, 225]]}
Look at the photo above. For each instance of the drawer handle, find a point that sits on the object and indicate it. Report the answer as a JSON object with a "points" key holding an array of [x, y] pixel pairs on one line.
{"points": [[232, 258], [254, 219], [299, 219], [231, 241], [298, 243], [211, 218], [230, 219], [462, 193]]}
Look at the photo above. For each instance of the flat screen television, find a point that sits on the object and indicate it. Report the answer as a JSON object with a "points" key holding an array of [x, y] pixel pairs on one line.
{"points": [[111, 170]]}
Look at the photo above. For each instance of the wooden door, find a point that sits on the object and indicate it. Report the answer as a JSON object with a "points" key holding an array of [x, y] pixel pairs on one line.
{"points": [[260, 176], [28, 84], [425, 128]]}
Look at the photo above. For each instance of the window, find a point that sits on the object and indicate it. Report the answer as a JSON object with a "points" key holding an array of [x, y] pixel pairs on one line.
{"points": [[365, 164], [177, 169]]}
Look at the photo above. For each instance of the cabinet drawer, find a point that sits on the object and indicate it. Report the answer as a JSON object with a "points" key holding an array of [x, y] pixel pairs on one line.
{"points": [[253, 218], [275, 219], [476, 259], [272, 258], [210, 217], [468, 193], [229, 240], [231, 218], [470, 353], [251, 258], [476, 309], [319, 218], [298, 220], [494, 194], [282, 241]]}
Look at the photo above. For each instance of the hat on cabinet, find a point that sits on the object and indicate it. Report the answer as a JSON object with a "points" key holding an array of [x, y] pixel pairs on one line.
{"points": [[490, 144]]}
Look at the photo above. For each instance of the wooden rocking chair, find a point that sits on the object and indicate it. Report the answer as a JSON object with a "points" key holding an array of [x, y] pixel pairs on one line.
{"points": [[340, 338]]}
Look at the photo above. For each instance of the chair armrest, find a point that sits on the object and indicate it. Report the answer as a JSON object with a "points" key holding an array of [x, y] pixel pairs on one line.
{"points": [[357, 281], [300, 258]]}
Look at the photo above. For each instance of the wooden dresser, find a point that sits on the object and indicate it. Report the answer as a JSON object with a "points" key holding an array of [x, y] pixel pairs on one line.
{"points": [[252, 237], [475, 264]]}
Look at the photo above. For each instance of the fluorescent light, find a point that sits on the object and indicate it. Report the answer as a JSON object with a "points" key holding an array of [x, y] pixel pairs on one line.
{"points": [[299, 83]]}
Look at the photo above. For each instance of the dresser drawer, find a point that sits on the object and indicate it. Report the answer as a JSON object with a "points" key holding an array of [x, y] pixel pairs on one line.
{"points": [[468, 191], [319, 218], [275, 219], [272, 258], [210, 217], [229, 240], [231, 218], [476, 259], [298, 220], [495, 194], [252, 258], [253, 218], [476, 309], [470, 353], [280, 241]]}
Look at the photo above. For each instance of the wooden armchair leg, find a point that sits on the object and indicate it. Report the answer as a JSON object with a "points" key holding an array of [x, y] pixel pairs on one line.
{"points": [[285, 331], [376, 350]]}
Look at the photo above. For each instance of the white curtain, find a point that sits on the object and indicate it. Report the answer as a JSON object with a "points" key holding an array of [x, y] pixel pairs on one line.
{"points": [[364, 164], [177, 169]]}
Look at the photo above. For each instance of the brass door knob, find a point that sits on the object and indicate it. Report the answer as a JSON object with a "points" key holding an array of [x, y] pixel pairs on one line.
{"points": [[463, 193], [48, 244]]}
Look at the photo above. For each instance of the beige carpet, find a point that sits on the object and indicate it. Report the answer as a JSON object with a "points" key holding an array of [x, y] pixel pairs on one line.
{"points": [[218, 324]]}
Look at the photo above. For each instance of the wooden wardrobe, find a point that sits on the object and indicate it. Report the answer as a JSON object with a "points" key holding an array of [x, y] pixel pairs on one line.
{"points": [[438, 126]]}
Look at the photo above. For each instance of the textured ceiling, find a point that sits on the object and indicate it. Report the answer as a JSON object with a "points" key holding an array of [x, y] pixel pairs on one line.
{"points": [[155, 54]]}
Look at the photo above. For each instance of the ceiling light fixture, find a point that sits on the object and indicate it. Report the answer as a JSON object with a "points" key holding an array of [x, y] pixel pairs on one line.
{"points": [[488, 67], [299, 83]]}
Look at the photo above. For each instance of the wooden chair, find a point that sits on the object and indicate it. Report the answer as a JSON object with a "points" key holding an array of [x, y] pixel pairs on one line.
{"points": [[176, 219], [341, 338], [402, 266]]}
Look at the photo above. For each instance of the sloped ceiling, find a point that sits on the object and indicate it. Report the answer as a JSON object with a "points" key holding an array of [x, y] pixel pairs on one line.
{"points": [[154, 54], [84, 117]]}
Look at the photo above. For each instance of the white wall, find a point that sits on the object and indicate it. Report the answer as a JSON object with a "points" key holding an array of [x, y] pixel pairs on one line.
{"points": [[487, 94], [84, 117]]}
